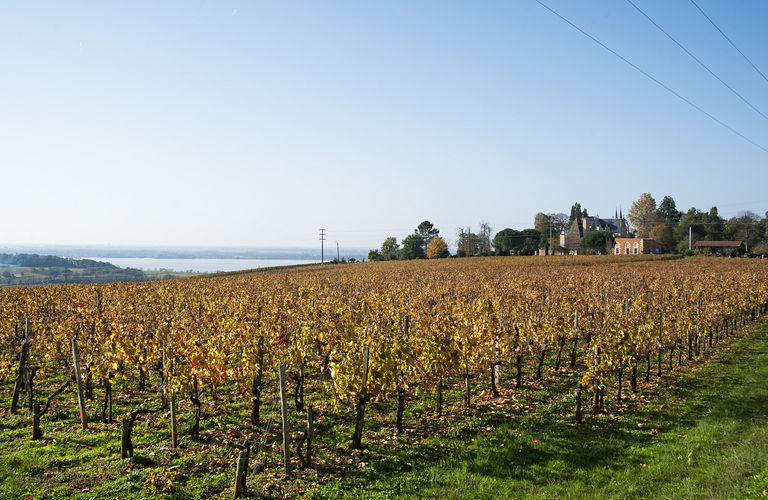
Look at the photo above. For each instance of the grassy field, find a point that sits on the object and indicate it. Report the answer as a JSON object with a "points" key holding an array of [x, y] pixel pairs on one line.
{"points": [[699, 432]]}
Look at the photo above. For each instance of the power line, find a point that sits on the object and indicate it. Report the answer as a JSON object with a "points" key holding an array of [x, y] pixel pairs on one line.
{"points": [[737, 94], [729, 41], [652, 78]]}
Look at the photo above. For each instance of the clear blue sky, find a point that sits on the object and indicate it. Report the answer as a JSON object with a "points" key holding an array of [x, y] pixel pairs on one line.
{"points": [[256, 123]]}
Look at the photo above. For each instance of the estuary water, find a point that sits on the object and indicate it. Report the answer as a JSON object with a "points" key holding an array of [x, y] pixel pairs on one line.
{"points": [[196, 265]]}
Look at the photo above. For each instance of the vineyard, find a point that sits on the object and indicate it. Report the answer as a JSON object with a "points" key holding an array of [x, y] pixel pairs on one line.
{"points": [[268, 379]]}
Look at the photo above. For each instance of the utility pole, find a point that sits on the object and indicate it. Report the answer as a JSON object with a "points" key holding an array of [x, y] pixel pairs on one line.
{"points": [[689, 237], [549, 251], [322, 243], [746, 240], [337, 251]]}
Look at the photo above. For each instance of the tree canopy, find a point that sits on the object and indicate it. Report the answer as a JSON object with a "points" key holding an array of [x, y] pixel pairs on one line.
{"points": [[747, 227], [557, 222], [576, 212], [468, 243], [512, 242], [413, 247], [485, 238], [437, 248], [599, 242], [427, 231], [662, 234], [390, 249], [668, 212], [643, 215]]}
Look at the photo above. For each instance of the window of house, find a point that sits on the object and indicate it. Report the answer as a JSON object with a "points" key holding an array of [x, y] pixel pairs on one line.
{"points": [[635, 248]]}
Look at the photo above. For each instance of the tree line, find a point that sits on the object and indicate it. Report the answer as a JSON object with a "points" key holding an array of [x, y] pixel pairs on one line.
{"points": [[676, 231], [426, 242], [662, 222]]}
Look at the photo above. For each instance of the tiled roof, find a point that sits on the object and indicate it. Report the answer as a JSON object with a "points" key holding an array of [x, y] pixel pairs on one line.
{"points": [[718, 244]]}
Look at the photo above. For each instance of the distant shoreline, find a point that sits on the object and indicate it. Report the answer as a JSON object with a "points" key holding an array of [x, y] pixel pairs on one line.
{"points": [[198, 265], [170, 252]]}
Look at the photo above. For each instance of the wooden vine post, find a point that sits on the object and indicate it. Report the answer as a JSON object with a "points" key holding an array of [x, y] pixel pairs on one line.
{"points": [[698, 320], [79, 382], [575, 338], [174, 431], [37, 433], [242, 470], [126, 450], [22, 369], [573, 364], [257, 382], [284, 415], [310, 431], [357, 437], [518, 360], [620, 383], [661, 324], [401, 389], [596, 385], [578, 404], [439, 407]]}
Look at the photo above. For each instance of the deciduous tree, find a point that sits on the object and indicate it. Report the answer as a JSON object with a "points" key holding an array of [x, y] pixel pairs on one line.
{"points": [[643, 215], [662, 234], [437, 248], [550, 224], [746, 227], [485, 238], [468, 243], [766, 225], [390, 249]]}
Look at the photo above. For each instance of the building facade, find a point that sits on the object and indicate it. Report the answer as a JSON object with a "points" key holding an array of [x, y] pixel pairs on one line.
{"points": [[636, 246], [570, 241]]}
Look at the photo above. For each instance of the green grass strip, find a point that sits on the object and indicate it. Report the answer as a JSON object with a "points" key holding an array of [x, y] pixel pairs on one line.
{"points": [[706, 436]]}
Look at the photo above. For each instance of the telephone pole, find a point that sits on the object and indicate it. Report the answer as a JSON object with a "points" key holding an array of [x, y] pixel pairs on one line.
{"points": [[549, 246], [689, 237], [322, 243]]}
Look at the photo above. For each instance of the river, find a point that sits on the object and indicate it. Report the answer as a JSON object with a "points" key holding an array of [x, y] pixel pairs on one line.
{"points": [[196, 265]]}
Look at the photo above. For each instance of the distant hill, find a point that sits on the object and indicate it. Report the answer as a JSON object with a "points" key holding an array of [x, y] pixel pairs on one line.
{"points": [[34, 260], [32, 269]]}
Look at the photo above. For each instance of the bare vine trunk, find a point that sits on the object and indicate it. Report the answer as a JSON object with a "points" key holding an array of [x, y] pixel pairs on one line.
{"points": [[541, 363], [439, 409], [400, 409]]}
